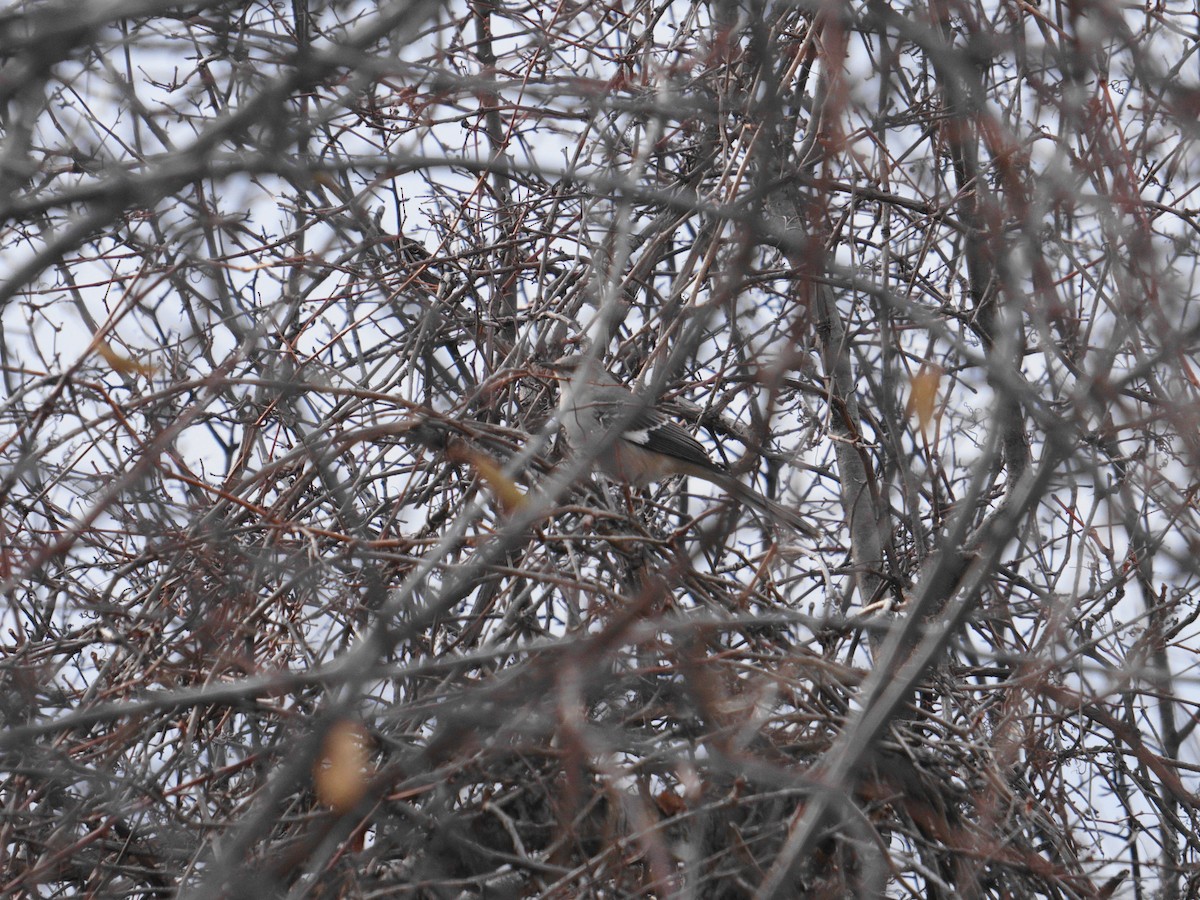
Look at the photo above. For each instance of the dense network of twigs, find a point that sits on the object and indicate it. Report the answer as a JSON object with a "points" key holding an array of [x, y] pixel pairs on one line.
{"points": [[303, 596]]}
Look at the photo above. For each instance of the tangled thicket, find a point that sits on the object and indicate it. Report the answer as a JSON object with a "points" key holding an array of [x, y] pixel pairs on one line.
{"points": [[303, 595]]}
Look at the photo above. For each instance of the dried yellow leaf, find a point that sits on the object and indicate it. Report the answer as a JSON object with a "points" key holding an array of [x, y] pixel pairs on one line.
{"points": [[342, 771]]}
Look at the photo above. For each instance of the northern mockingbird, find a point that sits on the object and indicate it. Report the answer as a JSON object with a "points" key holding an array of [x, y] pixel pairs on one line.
{"points": [[651, 446]]}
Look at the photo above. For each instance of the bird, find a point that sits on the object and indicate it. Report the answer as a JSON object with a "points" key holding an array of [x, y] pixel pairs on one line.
{"points": [[651, 446]]}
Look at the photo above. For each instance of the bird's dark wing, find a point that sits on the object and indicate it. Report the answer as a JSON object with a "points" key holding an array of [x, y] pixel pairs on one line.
{"points": [[655, 432]]}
